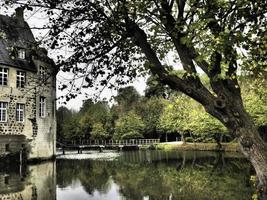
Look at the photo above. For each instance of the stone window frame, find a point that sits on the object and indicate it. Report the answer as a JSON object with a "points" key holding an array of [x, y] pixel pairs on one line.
{"points": [[21, 53], [3, 111], [4, 76], [20, 112], [42, 107], [21, 79], [42, 74]]}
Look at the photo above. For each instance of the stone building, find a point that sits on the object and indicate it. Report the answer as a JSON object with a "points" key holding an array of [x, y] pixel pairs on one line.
{"points": [[27, 91]]}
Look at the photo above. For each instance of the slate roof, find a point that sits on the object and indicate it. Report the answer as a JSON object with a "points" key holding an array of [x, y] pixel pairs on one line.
{"points": [[16, 35]]}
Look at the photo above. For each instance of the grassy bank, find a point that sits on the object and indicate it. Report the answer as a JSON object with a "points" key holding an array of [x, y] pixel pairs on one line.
{"points": [[231, 147]]}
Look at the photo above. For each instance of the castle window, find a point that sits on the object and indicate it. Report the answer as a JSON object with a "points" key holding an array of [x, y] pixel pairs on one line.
{"points": [[20, 112], [42, 107], [6, 180], [21, 79], [21, 54], [3, 111], [42, 74], [3, 76], [7, 147]]}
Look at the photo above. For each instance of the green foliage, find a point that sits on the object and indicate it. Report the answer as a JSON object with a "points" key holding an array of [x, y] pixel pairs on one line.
{"points": [[203, 125], [256, 107], [93, 120], [126, 99], [254, 95], [183, 114], [129, 126], [71, 130], [150, 110], [66, 123], [98, 111], [156, 88], [136, 117], [175, 117], [99, 132]]}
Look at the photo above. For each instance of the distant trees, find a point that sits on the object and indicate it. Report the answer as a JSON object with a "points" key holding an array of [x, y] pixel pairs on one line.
{"points": [[65, 120], [150, 110], [92, 121], [183, 115], [153, 116], [129, 126], [176, 115]]}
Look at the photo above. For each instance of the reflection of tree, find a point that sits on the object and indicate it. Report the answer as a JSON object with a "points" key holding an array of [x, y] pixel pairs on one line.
{"points": [[68, 172], [137, 181], [161, 181], [200, 177], [93, 175], [96, 177]]}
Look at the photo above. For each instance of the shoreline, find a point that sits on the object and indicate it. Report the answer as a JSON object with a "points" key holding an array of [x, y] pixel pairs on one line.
{"points": [[227, 147]]}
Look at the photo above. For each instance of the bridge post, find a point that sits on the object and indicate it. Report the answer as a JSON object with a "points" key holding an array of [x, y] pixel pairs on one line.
{"points": [[120, 147]]}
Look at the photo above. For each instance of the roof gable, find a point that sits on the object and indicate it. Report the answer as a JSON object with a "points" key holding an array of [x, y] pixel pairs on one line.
{"points": [[15, 35]]}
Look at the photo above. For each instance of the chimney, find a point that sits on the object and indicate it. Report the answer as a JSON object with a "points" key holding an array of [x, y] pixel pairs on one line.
{"points": [[20, 16]]}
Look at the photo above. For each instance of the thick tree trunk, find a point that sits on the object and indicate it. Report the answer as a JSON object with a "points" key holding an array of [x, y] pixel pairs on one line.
{"points": [[240, 123], [255, 150], [226, 105]]}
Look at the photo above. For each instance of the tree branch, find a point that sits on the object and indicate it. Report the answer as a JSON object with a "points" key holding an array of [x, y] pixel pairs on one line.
{"points": [[181, 5], [189, 86]]}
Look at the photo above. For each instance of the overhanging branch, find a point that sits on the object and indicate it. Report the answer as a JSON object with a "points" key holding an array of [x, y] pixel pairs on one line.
{"points": [[189, 86]]}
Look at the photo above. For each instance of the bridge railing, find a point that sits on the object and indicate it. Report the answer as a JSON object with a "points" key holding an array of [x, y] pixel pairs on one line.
{"points": [[111, 142]]}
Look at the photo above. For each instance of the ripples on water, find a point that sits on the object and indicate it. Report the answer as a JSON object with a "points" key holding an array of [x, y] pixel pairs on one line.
{"points": [[134, 175]]}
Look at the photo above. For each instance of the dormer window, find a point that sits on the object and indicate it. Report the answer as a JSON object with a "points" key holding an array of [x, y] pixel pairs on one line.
{"points": [[21, 54]]}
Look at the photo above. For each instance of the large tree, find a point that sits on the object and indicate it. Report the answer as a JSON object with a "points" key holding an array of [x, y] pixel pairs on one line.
{"points": [[114, 37]]}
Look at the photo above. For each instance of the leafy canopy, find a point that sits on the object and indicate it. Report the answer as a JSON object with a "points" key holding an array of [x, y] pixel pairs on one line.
{"points": [[107, 37]]}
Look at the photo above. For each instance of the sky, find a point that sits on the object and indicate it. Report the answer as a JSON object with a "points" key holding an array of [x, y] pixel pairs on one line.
{"points": [[37, 19]]}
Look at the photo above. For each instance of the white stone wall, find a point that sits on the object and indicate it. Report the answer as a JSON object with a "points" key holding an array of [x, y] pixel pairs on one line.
{"points": [[40, 132]]}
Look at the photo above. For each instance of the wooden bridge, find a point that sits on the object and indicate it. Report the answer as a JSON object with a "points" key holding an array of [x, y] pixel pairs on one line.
{"points": [[81, 145]]}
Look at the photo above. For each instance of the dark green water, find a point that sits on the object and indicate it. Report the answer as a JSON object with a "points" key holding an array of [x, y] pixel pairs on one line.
{"points": [[156, 175], [138, 175]]}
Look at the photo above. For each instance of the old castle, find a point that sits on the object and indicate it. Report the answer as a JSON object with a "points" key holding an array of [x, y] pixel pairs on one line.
{"points": [[27, 91]]}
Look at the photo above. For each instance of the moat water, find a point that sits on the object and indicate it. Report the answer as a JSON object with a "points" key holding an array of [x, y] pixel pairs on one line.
{"points": [[133, 175]]}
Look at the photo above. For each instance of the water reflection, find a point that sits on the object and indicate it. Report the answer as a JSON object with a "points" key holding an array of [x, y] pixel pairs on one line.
{"points": [[20, 182], [156, 175], [138, 175]]}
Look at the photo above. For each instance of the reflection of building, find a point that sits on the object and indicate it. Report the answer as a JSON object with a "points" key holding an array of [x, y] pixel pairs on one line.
{"points": [[38, 183], [27, 91]]}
